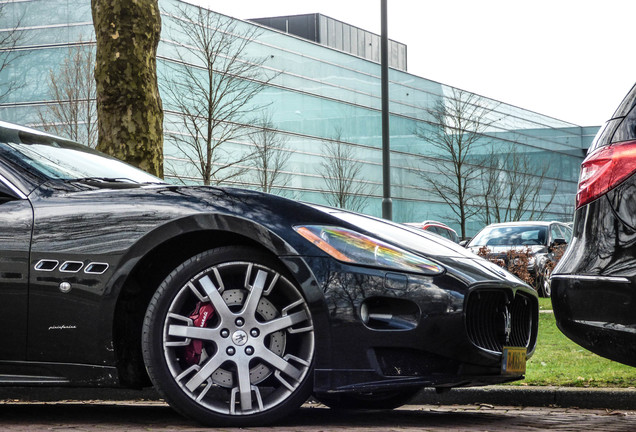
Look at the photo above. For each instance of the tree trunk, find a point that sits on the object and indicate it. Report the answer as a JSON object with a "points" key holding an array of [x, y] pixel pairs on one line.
{"points": [[129, 110]]}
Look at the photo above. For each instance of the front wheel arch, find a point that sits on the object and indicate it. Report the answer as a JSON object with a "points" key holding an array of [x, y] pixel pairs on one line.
{"points": [[141, 283], [151, 259]]}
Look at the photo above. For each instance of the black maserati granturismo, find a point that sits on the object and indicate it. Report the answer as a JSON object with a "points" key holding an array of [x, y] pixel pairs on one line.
{"points": [[236, 305]]}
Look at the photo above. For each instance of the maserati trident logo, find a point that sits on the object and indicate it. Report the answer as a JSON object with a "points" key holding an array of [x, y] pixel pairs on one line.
{"points": [[239, 337], [507, 323]]}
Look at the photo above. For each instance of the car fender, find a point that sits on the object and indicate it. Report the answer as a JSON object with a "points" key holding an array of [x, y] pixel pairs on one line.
{"points": [[223, 227]]}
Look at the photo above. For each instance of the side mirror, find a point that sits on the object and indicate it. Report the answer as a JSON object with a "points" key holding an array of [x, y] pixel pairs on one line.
{"points": [[463, 243], [557, 242]]}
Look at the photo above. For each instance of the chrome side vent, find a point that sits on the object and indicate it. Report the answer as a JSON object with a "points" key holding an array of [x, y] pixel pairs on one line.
{"points": [[71, 266], [46, 265], [96, 268]]}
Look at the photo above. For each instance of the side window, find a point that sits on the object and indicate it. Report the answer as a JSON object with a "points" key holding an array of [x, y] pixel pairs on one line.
{"points": [[555, 232], [567, 233], [561, 231], [432, 229]]}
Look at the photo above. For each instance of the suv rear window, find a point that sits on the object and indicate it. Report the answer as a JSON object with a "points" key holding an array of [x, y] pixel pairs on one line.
{"points": [[628, 103], [622, 126], [626, 130]]}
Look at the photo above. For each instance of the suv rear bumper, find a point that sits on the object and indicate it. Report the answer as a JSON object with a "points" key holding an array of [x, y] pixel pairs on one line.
{"points": [[597, 312]]}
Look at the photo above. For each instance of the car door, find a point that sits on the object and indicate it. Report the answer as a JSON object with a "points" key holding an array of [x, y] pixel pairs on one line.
{"points": [[16, 220]]}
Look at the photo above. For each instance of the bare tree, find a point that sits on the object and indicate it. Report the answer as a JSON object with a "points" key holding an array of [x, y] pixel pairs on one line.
{"points": [[129, 109], [72, 88], [270, 156], [531, 179], [455, 131], [10, 39], [493, 199], [213, 97], [513, 187], [341, 170]]}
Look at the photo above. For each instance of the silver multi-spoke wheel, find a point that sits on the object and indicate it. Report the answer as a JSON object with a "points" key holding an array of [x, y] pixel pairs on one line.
{"points": [[236, 339], [546, 284]]}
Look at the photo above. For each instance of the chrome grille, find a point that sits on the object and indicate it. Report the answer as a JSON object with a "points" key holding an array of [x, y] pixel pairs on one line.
{"points": [[494, 319]]}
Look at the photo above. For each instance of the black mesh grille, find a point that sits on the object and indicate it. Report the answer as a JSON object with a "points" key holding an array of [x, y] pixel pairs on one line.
{"points": [[494, 320]]}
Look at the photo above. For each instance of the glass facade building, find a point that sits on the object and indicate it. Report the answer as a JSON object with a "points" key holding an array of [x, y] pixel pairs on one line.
{"points": [[318, 95]]}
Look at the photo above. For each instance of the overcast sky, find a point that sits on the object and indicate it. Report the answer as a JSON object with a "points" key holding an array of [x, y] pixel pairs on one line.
{"points": [[569, 59]]}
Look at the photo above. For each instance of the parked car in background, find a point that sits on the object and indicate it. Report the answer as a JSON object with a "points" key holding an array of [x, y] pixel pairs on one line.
{"points": [[540, 239], [236, 305], [594, 284], [438, 228]]}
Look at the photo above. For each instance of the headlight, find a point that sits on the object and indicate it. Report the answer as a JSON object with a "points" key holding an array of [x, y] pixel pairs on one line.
{"points": [[355, 248]]}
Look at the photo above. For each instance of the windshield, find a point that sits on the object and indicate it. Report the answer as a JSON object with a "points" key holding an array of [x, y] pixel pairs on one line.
{"points": [[511, 236], [54, 158]]}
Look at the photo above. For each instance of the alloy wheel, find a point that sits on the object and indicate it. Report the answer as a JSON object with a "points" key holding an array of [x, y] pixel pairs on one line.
{"points": [[237, 340]]}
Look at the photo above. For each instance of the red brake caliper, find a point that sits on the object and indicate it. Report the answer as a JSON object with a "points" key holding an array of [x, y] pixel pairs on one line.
{"points": [[202, 313]]}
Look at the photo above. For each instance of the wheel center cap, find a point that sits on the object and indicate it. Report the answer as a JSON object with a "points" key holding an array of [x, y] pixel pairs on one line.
{"points": [[239, 338]]}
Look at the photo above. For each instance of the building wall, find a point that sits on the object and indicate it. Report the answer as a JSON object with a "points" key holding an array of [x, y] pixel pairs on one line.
{"points": [[320, 94], [338, 35]]}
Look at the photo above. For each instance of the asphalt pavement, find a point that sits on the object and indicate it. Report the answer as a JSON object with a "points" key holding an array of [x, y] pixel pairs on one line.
{"points": [[144, 416]]}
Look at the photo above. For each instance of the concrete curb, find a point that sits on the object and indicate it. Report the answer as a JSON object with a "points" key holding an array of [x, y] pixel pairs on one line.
{"points": [[566, 397], [589, 398]]}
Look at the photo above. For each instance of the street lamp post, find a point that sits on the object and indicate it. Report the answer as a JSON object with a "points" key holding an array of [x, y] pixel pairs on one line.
{"points": [[387, 204]]}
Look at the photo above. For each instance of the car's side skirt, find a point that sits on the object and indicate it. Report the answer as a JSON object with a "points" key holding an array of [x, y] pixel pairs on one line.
{"points": [[23, 373]]}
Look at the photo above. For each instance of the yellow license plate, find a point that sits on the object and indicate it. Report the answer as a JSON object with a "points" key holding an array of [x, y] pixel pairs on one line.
{"points": [[513, 361]]}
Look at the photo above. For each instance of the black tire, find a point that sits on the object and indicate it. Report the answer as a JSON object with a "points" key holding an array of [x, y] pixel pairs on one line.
{"points": [[256, 346], [370, 401]]}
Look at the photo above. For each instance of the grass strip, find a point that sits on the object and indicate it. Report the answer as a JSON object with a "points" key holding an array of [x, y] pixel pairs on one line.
{"points": [[558, 361]]}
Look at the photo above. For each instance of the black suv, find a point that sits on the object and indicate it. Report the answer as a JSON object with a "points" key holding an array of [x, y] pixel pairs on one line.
{"points": [[594, 284]]}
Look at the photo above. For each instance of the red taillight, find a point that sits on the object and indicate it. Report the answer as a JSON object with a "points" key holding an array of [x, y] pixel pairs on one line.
{"points": [[605, 169]]}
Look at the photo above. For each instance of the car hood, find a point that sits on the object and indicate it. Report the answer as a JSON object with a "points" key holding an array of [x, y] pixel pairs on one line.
{"points": [[280, 214]]}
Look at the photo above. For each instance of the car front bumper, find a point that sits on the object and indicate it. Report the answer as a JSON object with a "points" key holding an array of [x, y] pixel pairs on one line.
{"points": [[391, 330]]}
